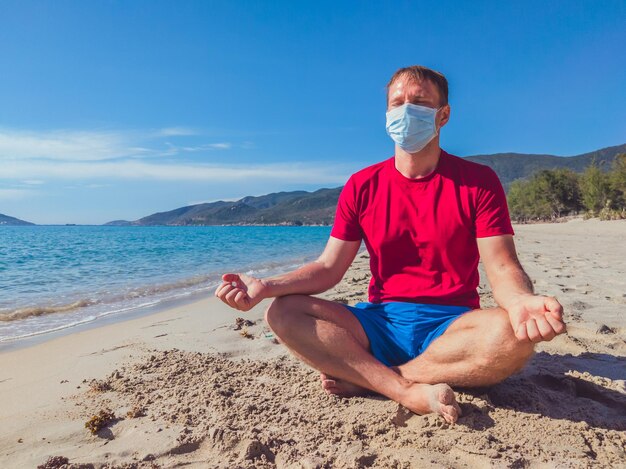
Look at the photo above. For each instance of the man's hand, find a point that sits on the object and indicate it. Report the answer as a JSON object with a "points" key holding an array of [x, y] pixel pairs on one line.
{"points": [[536, 318], [241, 291]]}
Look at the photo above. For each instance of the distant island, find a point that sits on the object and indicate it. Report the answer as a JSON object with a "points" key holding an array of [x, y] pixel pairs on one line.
{"points": [[6, 220], [318, 208]]}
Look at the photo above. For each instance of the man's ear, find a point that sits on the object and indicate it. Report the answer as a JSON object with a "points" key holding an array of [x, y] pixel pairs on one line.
{"points": [[443, 115]]}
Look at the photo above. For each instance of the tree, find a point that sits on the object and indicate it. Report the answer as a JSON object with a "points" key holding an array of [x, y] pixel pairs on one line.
{"points": [[595, 189], [547, 195], [617, 181]]}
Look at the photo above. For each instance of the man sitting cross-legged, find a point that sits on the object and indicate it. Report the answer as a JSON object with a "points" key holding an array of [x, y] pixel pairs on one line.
{"points": [[426, 218]]}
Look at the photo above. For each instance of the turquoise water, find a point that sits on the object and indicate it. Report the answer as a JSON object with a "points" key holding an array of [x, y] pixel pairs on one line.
{"points": [[53, 277]]}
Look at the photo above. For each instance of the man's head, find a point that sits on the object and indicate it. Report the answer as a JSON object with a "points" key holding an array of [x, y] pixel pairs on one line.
{"points": [[417, 107]]}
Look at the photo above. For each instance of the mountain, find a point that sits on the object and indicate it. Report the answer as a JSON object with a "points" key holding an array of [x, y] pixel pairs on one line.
{"points": [[318, 208], [512, 166], [280, 208], [6, 220], [119, 223]]}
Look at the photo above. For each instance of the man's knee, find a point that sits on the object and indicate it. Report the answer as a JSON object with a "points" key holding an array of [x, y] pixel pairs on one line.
{"points": [[274, 313], [504, 350], [281, 312]]}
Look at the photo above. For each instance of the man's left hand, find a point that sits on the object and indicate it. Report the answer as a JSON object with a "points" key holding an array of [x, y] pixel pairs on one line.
{"points": [[536, 318]]}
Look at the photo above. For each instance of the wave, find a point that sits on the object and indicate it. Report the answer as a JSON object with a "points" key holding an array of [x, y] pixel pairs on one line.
{"points": [[22, 313], [179, 287]]}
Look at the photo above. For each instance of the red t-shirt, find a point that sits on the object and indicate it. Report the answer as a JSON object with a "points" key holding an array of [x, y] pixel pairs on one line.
{"points": [[421, 233]]}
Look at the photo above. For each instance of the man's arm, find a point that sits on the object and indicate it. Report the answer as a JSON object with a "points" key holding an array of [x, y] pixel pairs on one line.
{"points": [[243, 292], [506, 275], [533, 317]]}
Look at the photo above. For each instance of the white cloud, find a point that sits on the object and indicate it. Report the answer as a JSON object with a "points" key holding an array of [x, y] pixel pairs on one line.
{"points": [[220, 146], [177, 132], [71, 145], [63, 145], [139, 169], [30, 158], [208, 146], [15, 194]]}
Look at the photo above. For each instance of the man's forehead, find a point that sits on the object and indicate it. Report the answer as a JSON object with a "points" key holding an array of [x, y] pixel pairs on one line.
{"points": [[403, 85]]}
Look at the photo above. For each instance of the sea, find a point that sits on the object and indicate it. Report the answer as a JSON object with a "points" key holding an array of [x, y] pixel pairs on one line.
{"points": [[59, 277]]}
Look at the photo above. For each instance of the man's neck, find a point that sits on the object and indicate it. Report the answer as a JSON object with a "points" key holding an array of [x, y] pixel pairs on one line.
{"points": [[420, 164]]}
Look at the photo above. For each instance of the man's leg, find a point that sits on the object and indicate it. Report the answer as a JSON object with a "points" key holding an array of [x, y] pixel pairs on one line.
{"points": [[478, 349], [329, 338]]}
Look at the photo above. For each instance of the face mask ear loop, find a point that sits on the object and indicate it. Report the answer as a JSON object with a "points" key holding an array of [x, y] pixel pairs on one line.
{"points": [[435, 120]]}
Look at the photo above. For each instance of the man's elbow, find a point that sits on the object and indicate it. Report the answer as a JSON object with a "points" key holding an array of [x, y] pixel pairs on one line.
{"points": [[331, 274]]}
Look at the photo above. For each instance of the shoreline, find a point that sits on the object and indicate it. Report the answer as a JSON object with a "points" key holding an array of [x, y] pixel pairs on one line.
{"points": [[181, 297], [189, 388], [162, 296], [163, 306]]}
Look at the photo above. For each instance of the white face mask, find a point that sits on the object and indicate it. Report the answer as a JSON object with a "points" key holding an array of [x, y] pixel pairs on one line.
{"points": [[412, 126]]}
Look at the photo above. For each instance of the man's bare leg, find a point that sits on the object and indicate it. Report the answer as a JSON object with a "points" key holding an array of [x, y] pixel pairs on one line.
{"points": [[478, 349], [329, 338]]}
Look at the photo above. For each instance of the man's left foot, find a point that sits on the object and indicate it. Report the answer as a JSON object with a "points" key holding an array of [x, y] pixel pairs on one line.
{"points": [[341, 388]]}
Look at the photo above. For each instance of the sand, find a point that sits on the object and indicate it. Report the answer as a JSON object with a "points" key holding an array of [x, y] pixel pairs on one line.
{"points": [[188, 387]]}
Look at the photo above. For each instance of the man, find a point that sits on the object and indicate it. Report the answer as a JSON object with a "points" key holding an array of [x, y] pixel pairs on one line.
{"points": [[426, 217]]}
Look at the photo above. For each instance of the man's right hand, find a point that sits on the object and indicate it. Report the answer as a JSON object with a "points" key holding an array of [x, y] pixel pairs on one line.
{"points": [[241, 291]]}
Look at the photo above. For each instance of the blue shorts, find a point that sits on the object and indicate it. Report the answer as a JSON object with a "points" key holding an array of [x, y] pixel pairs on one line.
{"points": [[399, 332]]}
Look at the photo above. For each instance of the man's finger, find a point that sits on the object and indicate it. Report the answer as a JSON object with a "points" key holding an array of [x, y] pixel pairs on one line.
{"points": [[521, 333], [219, 289], [239, 299], [545, 329], [230, 277], [557, 326], [224, 291], [533, 331], [553, 305], [230, 297]]}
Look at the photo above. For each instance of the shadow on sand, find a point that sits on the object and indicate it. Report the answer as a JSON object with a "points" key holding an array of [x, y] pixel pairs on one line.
{"points": [[547, 387]]}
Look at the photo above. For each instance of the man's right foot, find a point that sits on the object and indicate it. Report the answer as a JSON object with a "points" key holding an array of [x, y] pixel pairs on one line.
{"points": [[341, 388], [432, 398]]}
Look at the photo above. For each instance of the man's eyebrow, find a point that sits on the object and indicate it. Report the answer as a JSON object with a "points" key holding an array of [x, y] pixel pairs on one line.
{"points": [[415, 99]]}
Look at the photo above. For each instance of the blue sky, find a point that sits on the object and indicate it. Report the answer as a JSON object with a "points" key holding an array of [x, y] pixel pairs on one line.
{"points": [[115, 110]]}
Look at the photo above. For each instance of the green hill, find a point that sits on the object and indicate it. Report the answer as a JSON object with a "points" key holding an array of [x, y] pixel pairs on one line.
{"points": [[512, 166], [318, 208]]}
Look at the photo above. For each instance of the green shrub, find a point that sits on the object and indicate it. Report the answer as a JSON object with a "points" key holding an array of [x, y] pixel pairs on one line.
{"points": [[547, 195], [595, 189]]}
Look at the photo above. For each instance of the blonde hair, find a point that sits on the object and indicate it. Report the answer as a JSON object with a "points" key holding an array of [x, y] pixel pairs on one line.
{"points": [[417, 73]]}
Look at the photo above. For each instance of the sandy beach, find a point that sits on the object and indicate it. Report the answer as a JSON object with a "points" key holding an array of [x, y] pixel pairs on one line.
{"points": [[193, 387]]}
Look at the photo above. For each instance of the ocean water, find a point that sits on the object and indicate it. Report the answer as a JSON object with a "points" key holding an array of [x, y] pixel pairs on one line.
{"points": [[55, 277]]}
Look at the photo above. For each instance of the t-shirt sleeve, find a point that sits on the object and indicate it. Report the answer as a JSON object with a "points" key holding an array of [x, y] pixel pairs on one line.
{"points": [[346, 225], [492, 212]]}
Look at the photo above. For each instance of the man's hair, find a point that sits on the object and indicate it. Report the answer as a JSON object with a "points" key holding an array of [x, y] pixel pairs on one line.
{"points": [[417, 73]]}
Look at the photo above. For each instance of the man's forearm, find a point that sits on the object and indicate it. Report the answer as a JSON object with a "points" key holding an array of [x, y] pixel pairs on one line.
{"points": [[509, 284], [310, 279]]}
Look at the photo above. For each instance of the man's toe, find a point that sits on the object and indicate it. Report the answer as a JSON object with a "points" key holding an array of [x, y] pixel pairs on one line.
{"points": [[329, 384], [449, 413]]}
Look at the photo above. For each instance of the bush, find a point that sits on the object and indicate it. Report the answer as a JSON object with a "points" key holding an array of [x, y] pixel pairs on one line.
{"points": [[547, 195], [550, 194], [595, 189], [617, 180]]}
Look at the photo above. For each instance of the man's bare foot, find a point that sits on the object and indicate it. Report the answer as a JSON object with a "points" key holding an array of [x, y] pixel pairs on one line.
{"points": [[341, 388], [432, 398]]}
